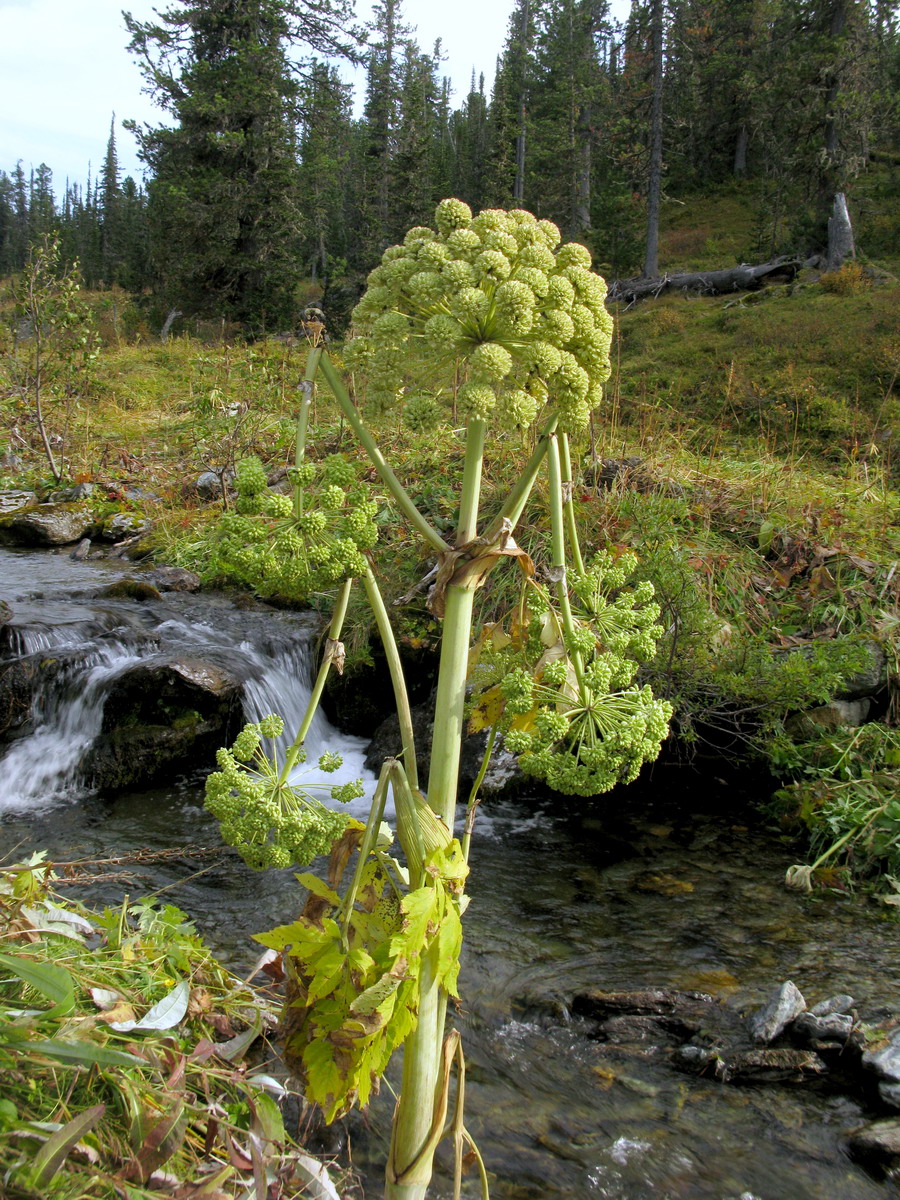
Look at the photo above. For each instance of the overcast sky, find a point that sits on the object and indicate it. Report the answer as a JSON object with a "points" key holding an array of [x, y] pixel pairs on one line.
{"points": [[64, 70]]}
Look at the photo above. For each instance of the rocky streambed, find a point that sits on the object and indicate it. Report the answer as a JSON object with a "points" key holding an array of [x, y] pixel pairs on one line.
{"points": [[618, 953]]}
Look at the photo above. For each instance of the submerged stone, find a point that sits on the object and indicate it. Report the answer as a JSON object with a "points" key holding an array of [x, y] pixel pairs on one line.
{"points": [[877, 1145]]}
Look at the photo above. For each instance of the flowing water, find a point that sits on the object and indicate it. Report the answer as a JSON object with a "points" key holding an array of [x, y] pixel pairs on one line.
{"points": [[666, 886]]}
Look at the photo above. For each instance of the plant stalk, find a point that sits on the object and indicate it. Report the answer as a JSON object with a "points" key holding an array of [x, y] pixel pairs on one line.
{"points": [[558, 550], [388, 478], [334, 635], [412, 1143], [395, 666]]}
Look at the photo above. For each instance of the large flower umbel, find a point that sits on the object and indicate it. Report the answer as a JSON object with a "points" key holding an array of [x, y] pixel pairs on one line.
{"points": [[498, 295]]}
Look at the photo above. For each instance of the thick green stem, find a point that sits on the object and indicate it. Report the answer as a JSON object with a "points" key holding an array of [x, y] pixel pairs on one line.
{"points": [[558, 550], [412, 1144], [410, 1162], [388, 478], [392, 655], [334, 635], [472, 806], [370, 837], [569, 504], [305, 388]]}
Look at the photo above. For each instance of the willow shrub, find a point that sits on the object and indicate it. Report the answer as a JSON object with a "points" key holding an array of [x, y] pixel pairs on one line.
{"points": [[493, 316]]}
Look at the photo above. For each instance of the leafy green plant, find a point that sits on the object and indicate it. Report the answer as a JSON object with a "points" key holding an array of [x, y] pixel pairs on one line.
{"points": [[122, 1051], [51, 355], [514, 324], [846, 797]]}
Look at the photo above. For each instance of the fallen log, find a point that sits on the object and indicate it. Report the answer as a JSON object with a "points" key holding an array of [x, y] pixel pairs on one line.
{"points": [[743, 278]]}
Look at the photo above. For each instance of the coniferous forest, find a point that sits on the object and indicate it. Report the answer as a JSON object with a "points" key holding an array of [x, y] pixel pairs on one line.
{"points": [[264, 171]]}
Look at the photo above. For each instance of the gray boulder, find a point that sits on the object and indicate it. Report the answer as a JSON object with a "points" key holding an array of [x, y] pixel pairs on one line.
{"points": [[784, 1006], [46, 525], [123, 525], [173, 579], [12, 499]]}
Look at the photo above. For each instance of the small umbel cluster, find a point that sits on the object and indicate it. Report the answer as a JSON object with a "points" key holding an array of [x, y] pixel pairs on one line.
{"points": [[269, 821], [572, 710], [498, 295], [296, 545]]}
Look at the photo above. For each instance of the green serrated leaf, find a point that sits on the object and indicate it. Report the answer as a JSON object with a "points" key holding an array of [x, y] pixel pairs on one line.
{"points": [[318, 887], [268, 1118], [419, 908]]}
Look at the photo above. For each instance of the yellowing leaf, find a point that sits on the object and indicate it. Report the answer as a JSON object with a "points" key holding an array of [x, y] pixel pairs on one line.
{"points": [[488, 710]]}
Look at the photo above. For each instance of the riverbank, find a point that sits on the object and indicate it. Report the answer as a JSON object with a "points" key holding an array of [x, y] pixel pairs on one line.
{"points": [[744, 452]]}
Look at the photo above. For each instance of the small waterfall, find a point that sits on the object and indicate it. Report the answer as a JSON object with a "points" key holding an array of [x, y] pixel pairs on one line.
{"points": [[270, 655], [283, 687], [41, 769]]}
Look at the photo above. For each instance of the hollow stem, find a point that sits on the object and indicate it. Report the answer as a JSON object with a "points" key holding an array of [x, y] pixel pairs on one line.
{"points": [[305, 387], [569, 504], [334, 635], [388, 478], [558, 551], [413, 1137], [392, 655]]}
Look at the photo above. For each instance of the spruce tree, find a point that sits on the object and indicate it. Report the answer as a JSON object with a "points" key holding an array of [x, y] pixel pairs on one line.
{"points": [[224, 198]]}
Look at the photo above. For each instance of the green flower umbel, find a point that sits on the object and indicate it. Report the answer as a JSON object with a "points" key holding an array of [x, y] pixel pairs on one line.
{"points": [[523, 316]]}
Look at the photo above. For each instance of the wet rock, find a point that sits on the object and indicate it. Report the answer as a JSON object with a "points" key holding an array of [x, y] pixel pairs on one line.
{"points": [[877, 1146], [173, 579], [772, 1066], [784, 1006], [123, 525], [130, 589], [884, 1059], [834, 1004], [17, 681], [162, 718], [6, 613], [12, 499], [833, 1027], [635, 1029], [82, 550], [45, 525]]}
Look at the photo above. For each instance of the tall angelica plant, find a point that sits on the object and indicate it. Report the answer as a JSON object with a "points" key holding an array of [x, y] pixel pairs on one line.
{"points": [[495, 313]]}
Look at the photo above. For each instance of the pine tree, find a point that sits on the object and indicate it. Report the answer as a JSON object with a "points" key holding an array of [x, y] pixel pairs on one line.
{"points": [[325, 140], [378, 133], [109, 206], [224, 198]]}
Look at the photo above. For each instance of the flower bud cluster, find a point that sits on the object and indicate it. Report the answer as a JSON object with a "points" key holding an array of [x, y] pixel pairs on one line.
{"points": [[269, 822], [294, 546], [571, 710], [524, 315]]}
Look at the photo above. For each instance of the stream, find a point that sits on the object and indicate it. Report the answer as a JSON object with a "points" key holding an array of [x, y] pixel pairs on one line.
{"points": [[674, 883]]}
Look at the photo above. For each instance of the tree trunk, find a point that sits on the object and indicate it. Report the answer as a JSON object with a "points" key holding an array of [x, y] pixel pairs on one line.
{"points": [[651, 257], [744, 278], [740, 151], [840, 235]]}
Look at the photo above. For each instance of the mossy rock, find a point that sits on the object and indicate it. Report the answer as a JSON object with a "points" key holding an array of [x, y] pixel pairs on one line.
{"points": [[130, 589]]}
